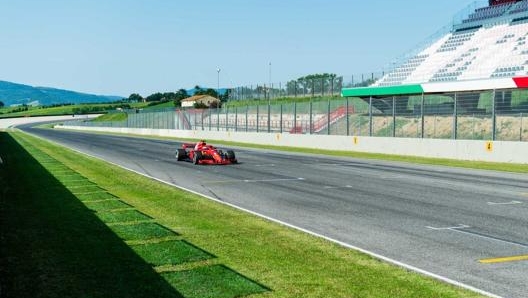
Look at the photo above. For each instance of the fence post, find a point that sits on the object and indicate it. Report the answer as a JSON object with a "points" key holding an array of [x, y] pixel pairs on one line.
{"points": [[493, 116], [295, 117], [422, 112], [227, 119], [347, 118], [328, 118], [217, 119], [311, 113], [210, 119], [236, 118], [370, 116], [281, 118], [258, 110], [269, 117], [247, 110], [394, 116], [455, 117]]}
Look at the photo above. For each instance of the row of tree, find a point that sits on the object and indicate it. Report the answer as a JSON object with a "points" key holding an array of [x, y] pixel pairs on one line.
{"points": [[178, 96], [315, 83]]}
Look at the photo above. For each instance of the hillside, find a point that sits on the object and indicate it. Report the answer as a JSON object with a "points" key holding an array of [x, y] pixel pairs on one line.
{"points": [[15, 94]]}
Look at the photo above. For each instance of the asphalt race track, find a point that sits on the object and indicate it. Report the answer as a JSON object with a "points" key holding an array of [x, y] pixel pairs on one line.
{"points": [[442, 220]]}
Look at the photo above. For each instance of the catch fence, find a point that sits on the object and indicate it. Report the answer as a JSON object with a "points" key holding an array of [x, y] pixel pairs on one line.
{"points": [[474, 116]]}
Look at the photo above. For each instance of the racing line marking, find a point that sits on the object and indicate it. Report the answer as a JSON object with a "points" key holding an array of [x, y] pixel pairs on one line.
{"points": [[338, 187], [508, 203], [504, 259], [449, 228], [273, 180], [254, 181], [460, 229]]}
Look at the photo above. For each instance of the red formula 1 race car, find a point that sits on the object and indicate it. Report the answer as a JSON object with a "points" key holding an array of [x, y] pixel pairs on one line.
{"points": [[201, 153]]}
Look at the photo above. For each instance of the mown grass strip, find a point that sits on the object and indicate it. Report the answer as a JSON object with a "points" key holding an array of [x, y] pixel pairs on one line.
{"points": [[106, 205], [96, 196], [170, 253], [122, 216], [77, 183], [218, 281], [291, 263], [81, 189], [142, 231], [72, 177]]}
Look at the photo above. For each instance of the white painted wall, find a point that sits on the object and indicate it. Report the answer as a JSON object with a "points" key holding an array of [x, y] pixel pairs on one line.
{"points": [[498, 151], [10, 122]]}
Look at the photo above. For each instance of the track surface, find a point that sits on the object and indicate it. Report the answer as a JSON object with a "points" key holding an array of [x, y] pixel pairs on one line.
{"points": [[439, 219]]}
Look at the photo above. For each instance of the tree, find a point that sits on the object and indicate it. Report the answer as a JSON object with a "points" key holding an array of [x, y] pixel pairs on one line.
{"points": [[134, 97], [209, 91], [179, 96], [315, 83], [154, 97], [1, 104]]}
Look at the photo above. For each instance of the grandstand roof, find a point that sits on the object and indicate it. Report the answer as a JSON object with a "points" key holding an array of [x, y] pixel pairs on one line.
{"points": [[460, 86]]}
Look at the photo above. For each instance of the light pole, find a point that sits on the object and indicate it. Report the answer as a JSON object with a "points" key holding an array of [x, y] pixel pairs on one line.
{"points": [[269, 86], [218, 82]]}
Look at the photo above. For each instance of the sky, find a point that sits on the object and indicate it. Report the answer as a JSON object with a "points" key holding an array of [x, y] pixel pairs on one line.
{"points": [[119, 47]]}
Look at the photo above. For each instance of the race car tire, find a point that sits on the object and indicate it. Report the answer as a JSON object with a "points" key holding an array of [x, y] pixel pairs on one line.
{"points": [[230, 154], [181, 154], [197, 157]]}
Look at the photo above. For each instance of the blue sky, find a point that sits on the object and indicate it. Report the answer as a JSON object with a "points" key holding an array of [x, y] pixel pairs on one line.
{"points": [[119, 47]]}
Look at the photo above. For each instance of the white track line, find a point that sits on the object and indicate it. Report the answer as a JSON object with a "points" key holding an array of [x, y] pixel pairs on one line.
{"points": [[370, 253]]}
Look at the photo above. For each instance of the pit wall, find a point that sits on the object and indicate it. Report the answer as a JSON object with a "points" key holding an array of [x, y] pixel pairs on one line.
{"points": [[496, 151]]}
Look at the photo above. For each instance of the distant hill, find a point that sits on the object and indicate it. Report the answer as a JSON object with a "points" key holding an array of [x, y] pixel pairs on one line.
{"points": [[17, 94]]}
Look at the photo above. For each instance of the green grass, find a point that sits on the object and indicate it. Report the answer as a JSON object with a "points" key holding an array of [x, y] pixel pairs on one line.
{"points": [[289, 262], [118, 117], [7, 112], [218, 281], [170, 253], [97, 196], [106, 205], [163, 105], [142, 231], [53, 246], [122, 216]]}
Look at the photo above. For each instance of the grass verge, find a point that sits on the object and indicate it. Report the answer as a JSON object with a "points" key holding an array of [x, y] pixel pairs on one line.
{"points": [[289, 262]]}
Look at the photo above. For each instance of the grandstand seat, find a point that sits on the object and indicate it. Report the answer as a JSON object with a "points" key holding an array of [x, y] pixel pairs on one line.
{"points": [[491, 49]]}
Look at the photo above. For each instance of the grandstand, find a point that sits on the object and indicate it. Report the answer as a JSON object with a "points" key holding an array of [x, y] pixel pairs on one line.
{"points": [[490, 42], [474, 75]]}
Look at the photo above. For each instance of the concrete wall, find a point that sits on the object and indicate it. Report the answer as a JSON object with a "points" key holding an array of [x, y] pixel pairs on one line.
{"points": [[498, 151], [10, 122]]}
